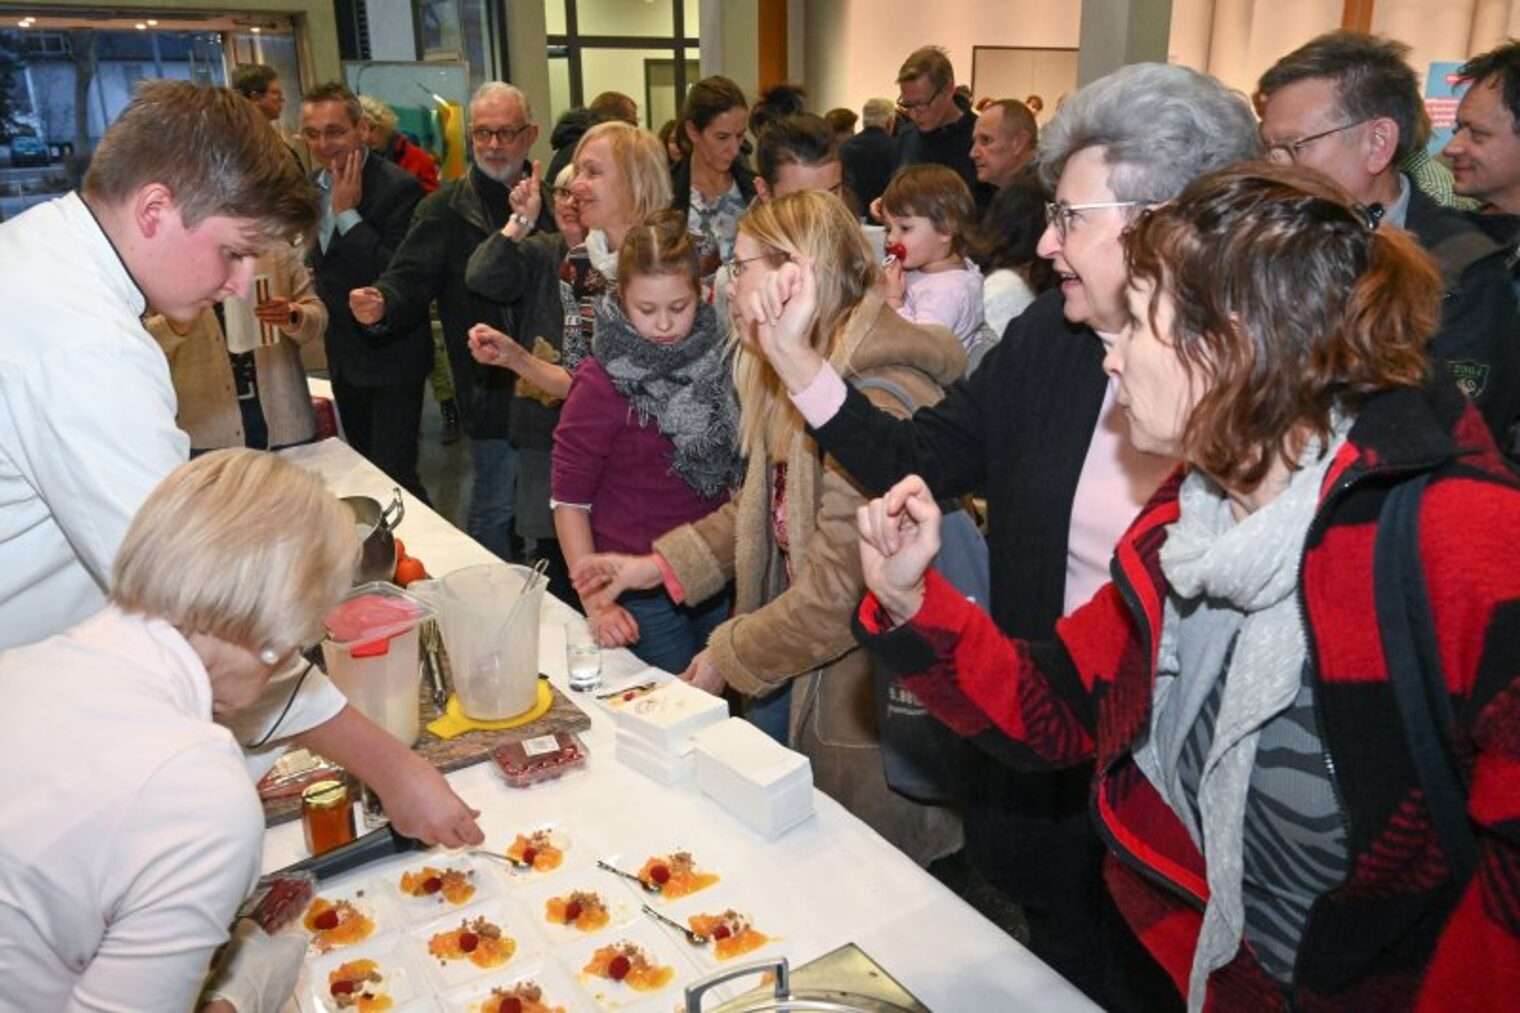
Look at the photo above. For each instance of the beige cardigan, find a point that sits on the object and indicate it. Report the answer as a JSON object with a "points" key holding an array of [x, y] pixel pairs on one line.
{"points": [[800, 631], [202, 372]]}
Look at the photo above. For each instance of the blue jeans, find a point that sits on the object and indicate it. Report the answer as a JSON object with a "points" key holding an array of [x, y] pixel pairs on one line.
{"points": [[493, 495], [670, 635], [771, 714]]}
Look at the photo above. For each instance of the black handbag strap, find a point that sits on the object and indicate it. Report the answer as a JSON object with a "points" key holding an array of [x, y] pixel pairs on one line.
{"points": [[1414, 670]]}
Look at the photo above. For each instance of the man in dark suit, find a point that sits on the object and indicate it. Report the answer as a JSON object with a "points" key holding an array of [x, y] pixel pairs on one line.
{"points": [[870, 157], [366, 206]]}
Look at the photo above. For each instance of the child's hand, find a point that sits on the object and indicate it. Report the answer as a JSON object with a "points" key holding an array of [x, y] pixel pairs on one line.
{"points": [[894, 282], [613, 626]]}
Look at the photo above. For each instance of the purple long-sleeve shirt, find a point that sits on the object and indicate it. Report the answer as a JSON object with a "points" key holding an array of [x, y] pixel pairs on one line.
{"points": [[603, 459]]}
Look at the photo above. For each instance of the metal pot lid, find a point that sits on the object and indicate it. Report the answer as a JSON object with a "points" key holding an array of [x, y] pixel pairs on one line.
{"points": [[845, 980]]}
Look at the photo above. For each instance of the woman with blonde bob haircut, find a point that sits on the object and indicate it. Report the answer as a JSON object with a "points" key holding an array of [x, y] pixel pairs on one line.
{"points": [[1301, 812], [621, 178], [132, 819], [212, 552], [787, 539]]}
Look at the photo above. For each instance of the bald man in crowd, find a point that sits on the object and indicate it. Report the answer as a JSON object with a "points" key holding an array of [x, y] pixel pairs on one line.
{"points": [[1003, 142], [870, 157]]}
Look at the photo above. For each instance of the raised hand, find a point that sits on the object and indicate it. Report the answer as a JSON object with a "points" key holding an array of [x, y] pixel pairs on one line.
{"points": [[899, 538], [492, 347], [783, 312], [348, 183], [367, 305], [527, 197], [600, 577]]}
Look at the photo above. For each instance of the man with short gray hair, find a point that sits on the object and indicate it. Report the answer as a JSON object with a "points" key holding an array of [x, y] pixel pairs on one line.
{"points": [[430, 265], [1348, 105], [870, 157]]}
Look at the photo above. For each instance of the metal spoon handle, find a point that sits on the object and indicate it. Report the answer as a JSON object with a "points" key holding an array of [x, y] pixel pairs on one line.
{"points": [[608, 866], [692, 935], [513, 862]]}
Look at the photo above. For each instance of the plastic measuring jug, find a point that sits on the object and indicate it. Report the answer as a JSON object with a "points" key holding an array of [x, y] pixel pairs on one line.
{"points": [[491, 632], [372, 653]]}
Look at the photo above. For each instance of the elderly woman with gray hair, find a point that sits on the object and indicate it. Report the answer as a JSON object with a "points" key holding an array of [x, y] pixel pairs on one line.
{"points": [[1036, 431]]}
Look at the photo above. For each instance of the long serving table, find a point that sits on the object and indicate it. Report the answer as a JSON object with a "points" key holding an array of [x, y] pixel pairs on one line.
{"points": [[829, 881]]}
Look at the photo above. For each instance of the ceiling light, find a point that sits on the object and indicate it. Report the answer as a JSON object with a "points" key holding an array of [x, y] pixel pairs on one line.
{"points": [[141, 27], [152, 22], [255, 29]]}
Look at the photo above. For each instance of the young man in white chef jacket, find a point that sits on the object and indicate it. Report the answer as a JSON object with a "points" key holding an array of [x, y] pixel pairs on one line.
{"points": [[187, 187]]}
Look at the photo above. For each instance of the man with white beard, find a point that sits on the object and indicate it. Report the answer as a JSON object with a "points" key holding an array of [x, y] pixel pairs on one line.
{"points": [[430, 265]]}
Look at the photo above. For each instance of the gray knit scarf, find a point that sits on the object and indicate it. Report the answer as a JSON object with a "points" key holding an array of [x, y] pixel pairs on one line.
{"points": [[1252, 566], [686, 387]]}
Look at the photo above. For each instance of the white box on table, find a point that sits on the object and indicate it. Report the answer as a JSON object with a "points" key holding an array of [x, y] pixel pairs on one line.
{"points": [[764, 784], [674, 769], [665, 718]]}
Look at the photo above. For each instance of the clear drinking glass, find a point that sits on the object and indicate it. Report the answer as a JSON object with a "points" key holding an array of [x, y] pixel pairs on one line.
{"points": [[583, 658]]}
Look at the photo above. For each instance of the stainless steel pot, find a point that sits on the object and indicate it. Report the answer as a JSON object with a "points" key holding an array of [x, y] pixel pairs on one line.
{"points": [[843, 981], [377, 560]]}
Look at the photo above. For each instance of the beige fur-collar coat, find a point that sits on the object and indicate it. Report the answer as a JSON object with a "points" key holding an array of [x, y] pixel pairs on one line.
{"points": [[799, 631]]}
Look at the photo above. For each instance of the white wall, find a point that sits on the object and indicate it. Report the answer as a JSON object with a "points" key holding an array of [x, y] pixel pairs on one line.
{"points": [[852, 48]]}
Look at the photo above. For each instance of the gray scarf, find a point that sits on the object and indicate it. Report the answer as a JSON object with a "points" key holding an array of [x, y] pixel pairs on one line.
{"points": [[1251, 566], [686, 387]]}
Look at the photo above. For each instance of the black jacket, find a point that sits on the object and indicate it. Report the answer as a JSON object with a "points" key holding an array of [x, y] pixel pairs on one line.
{"points": [[870, 158], [1479, 339], [525, 277], [680, 183], [355, 354], [430, 265], [950, 146]]}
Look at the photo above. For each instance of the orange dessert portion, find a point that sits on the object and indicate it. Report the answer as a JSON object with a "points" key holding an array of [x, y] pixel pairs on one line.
{"points": [[731, 933], [479, 941], [336, 924], [525, 997], [676, 875], [452, 885], [357, 985], [536, 849], [624, 962], [583, 909]]}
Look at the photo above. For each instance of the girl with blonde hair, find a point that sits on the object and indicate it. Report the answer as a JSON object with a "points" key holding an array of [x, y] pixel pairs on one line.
{"points": [[787, 540]]}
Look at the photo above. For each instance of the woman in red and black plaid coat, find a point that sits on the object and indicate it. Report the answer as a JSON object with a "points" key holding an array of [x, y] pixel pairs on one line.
{"points": [[1230, 681]]}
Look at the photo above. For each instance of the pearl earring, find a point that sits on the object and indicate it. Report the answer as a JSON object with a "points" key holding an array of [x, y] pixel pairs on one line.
{"points": [[269, 656]]}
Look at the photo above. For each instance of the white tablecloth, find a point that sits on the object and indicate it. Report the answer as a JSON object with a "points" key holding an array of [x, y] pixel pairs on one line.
{"points": [[830, 881]]}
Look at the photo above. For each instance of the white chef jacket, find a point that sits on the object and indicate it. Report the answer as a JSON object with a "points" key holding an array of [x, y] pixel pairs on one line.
{"points": [[131, 831], [86, 431]]}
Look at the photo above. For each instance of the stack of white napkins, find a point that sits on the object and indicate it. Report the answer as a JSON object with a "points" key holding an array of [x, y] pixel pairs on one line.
{"points": [[654, 729], [753, 776]]}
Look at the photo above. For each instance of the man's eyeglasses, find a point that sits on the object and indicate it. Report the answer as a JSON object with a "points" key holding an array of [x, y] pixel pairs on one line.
{"points": [[1061, 214], [908, 107], [738, 267], [1287, 152], [504, 135], [311, 135]]}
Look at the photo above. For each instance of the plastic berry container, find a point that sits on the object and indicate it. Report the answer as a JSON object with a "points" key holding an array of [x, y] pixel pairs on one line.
{"points": [[541, 758]]}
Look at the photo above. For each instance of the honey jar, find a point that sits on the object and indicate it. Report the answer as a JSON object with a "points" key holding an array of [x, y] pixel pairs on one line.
{"points": [[327, 815]]}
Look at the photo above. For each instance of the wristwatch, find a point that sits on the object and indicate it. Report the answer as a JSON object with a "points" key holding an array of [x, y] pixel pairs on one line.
{"points": [[523, 220]]}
